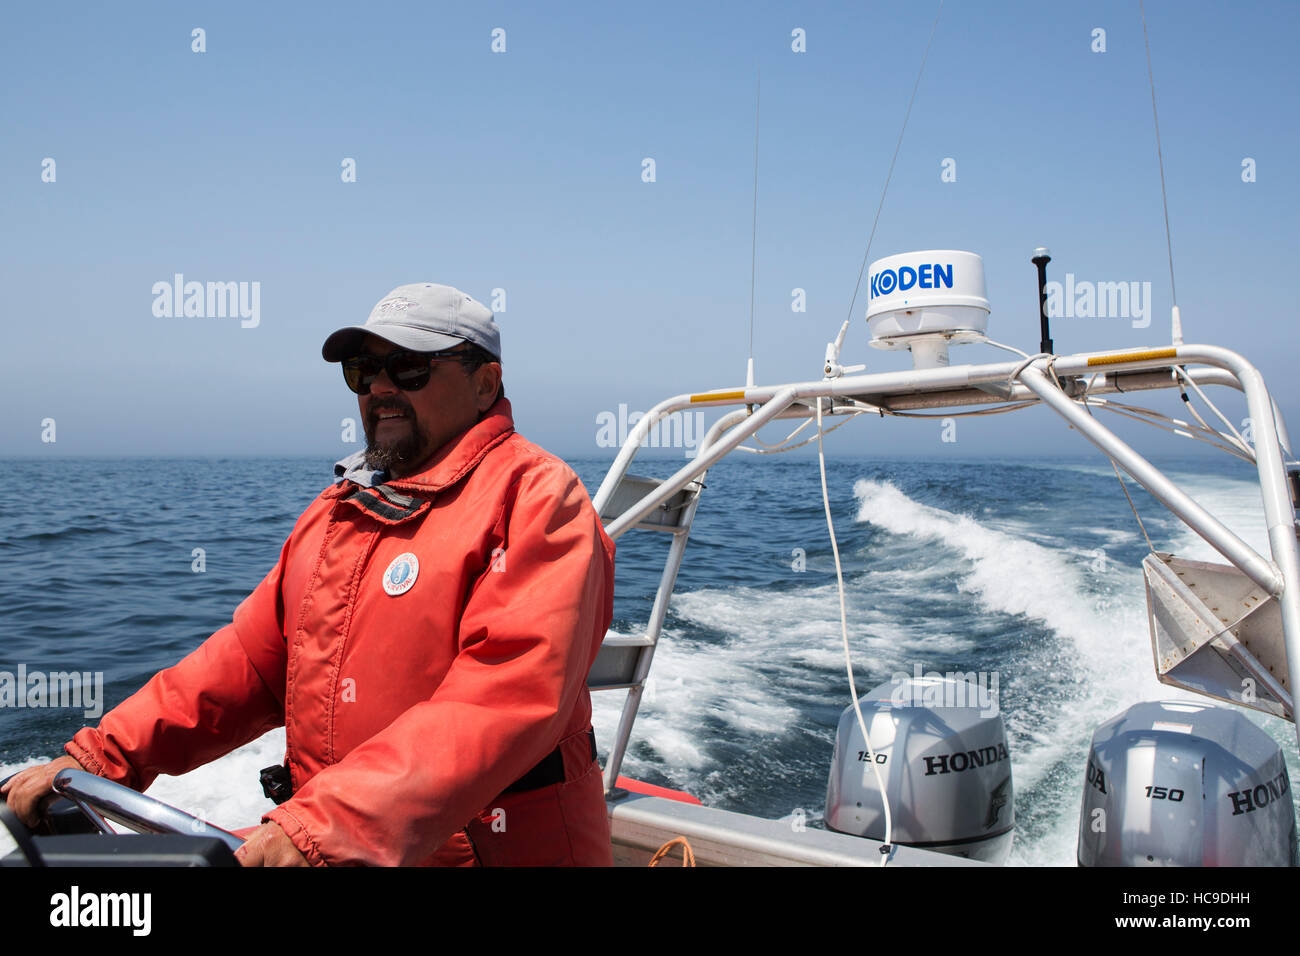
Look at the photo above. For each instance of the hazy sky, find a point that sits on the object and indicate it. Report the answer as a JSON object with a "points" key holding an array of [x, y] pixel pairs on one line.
{"points": [[522, 171]]}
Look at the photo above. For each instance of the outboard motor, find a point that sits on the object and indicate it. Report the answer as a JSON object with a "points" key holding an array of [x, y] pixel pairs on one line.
{"points": [[942, 752], [1185, 784]]}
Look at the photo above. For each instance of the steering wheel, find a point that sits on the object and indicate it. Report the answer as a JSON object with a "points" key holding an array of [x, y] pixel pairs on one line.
{"points": [[102, 800]]}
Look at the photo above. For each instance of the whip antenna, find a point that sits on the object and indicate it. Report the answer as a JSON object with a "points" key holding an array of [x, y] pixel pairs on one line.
{"points": [[1176, 319], [890, 175], [753, 240]]}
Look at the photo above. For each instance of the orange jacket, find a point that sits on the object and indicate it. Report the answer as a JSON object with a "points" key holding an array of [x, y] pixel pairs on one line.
{"points": [[407, 714]]}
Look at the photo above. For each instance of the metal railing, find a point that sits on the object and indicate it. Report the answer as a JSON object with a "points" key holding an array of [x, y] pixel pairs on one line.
{"points": [[1005, 382]]}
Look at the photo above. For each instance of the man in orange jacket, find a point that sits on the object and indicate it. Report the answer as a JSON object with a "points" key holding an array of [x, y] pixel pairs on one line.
{"points": [[424, 638]]}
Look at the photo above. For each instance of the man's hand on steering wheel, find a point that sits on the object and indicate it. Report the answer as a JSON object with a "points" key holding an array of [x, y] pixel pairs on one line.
{"points": [[28, 789], [269, 846]]}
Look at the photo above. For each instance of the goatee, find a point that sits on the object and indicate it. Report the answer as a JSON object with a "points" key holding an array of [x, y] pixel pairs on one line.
{"points": [[407, 450]]}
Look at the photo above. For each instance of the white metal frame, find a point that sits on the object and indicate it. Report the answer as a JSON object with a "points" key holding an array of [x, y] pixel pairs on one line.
{"points": [[1034, 381]]}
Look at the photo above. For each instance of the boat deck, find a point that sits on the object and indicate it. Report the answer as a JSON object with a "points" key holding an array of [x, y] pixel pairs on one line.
{"points": [[641, 824]]}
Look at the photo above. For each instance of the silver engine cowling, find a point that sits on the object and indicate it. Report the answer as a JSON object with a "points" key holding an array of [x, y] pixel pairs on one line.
{"points": [[1178, 783], [942, 751]]}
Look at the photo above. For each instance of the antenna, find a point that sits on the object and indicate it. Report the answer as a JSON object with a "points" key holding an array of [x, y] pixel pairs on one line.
{"points": [[890, 175], [1176, 320], [753, 242]]}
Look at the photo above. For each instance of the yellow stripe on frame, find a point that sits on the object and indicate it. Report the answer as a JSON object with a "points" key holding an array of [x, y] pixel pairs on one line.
{"points": [[1117, 358], [718, 396]]}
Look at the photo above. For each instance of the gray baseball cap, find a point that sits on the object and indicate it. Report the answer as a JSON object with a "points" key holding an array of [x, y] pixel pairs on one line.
{"points": [[422, 317]]}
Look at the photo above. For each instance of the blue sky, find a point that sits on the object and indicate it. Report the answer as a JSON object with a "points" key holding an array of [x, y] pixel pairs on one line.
{"points": [[521, 170]]}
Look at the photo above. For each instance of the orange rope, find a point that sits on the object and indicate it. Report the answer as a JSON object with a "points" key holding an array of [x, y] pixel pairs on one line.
{"points": [[688, 855]]}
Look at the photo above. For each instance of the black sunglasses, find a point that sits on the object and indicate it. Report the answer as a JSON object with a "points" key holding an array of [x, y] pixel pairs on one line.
{"points": [[408, 370]]}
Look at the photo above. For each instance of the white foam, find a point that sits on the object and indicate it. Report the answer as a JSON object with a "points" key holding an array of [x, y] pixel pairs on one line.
{"points": [[226, 791], [1006, 573], [693, 685], [1234, 501]]}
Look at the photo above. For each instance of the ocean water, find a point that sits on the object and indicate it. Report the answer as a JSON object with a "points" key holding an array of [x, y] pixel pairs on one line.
{"points": [[1026, 569]]}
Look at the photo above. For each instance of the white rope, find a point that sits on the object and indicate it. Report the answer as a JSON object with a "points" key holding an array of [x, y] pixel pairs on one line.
{"points": [[1029, 360], [1242, 443], [788, 438], [887, 848], [781, 447], [1006, 348], [1178, 427], [996, 410]]}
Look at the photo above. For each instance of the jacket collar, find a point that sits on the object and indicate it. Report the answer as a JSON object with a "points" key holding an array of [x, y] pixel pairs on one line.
{"points": [[452, 462], [354, 469]]}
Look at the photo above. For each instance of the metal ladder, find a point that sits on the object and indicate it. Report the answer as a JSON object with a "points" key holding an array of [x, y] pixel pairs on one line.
{"points": [[624, 660]]}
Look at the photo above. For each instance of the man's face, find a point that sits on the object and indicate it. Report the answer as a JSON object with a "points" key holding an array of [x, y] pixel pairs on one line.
{"points": [[404, 428]]}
